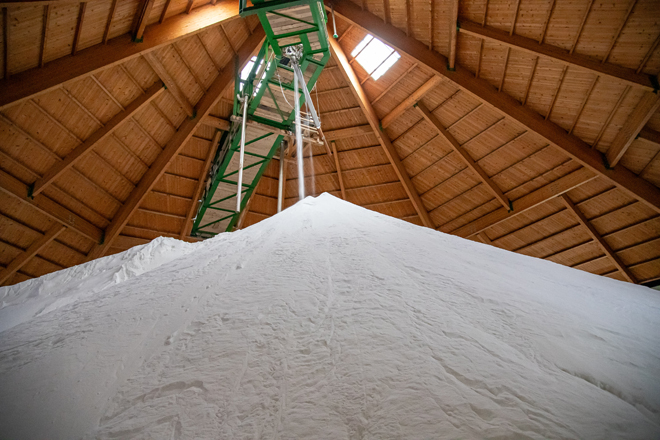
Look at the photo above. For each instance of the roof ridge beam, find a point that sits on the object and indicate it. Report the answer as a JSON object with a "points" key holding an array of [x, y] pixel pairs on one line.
{"points": [[573, 146], [469, 161], [117, 50], [532, 46], [599, 239], [389, 150], [631, 128], [220, 85], [98, 136]]}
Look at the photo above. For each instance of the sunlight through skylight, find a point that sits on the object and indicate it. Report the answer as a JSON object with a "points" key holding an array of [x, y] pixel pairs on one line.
{"points": [[375, 56]]}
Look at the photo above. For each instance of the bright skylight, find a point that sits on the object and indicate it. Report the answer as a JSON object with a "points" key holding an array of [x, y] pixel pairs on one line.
{"points": [[375, 56], [246, 72]]}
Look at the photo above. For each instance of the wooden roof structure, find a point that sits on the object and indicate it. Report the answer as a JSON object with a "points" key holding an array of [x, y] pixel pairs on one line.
{"points": [[532, 126]]}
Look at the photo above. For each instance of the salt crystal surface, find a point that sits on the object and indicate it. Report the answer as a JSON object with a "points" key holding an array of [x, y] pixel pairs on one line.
{"points": [[328, 321]]}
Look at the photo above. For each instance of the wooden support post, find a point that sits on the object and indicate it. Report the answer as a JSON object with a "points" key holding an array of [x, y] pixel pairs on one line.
{"points": [[571, 145], [525, 203], [188, 224], [98, 136], [17, 189], [170, 83], [386, 144], [410, 101], [636, 121], [338, 168], [598, 239], [532, 46], [63, 70], [453, 33], [30, 252], [465, 156], [44, 35], [220, 85], [79, 25]]}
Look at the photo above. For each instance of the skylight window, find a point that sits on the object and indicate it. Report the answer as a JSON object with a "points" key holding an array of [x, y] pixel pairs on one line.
{"points": [[375, 56]]}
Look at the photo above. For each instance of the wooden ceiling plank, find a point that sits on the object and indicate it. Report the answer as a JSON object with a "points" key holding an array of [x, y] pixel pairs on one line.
{"points": [[410, 101], [194, 74], [394, 83], [578, 34], [527, 202], [583, 104], [108, 23], [631, 128], [349, 132], [384, 141], [187, 225], [506, 63], [606, 124], [597, 237], [648, 55], [516, 9], [557, 90], [116, 51], [79, 25], [453, 32], [44, 34], [408, 18], [465, 156], [339, 173], [532, 46], [548, 16], [220, 85], [530, 80], [618, 32], [171, 84], [15, 188], [557, 136], [25, 256], [98, 136]]}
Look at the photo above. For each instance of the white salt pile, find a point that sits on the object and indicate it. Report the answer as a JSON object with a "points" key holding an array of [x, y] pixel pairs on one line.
{"points": [[328, 321]]}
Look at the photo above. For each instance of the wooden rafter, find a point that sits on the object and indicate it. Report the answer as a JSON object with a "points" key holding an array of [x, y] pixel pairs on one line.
{"points": [[533, 47], [338, 168], [44, 34], [557, 90], [583, 104], [506, 64], [530, 80], [98, 136], [633, 125], [578, 34], [141, 18], [163, 14], [598, 239], [464, 155], [79, 25], [548, 15], [453, 32], [108, 23], [573, 146], [527, 202], [30, 252], [190, 6], [92, 59], [650, 135], [384, 141], [349, 132], [410, 101], [188, 224], [171, 84], [648, 55], [219, 123], [618, 32], [610, 116], [220, 85], [17, 189]]}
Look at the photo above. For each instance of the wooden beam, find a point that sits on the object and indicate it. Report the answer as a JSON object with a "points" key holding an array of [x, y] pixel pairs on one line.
{"points": [[338, 168], [30, 252], [569, 144], [648, 55], [189, 6], [343, 133], [118, 50], [98, 136], [410, 101], [17, 189], [453, 32], [188, 224], [650, 135], [618, 32], [220, 85], [548, 15], [532, 46], [527, 202], [5, 44], [579, 32], [44, 34], [636, 121], [141, 18], [352, 79], [108, 23], [163, 14], [394, 83], [599, 239], [79, 25], [465, 156], [214, 121], [171, 84]]}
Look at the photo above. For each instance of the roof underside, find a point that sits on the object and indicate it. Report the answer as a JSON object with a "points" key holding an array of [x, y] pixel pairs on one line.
{"points": [[143, 177]]}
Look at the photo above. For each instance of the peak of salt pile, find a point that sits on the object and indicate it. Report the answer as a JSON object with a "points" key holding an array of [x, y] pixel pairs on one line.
{"points": [[328, 321]]}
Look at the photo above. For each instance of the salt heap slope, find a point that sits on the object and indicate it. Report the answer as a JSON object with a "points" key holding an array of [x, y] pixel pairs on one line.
{"points": [[329, 321]]}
